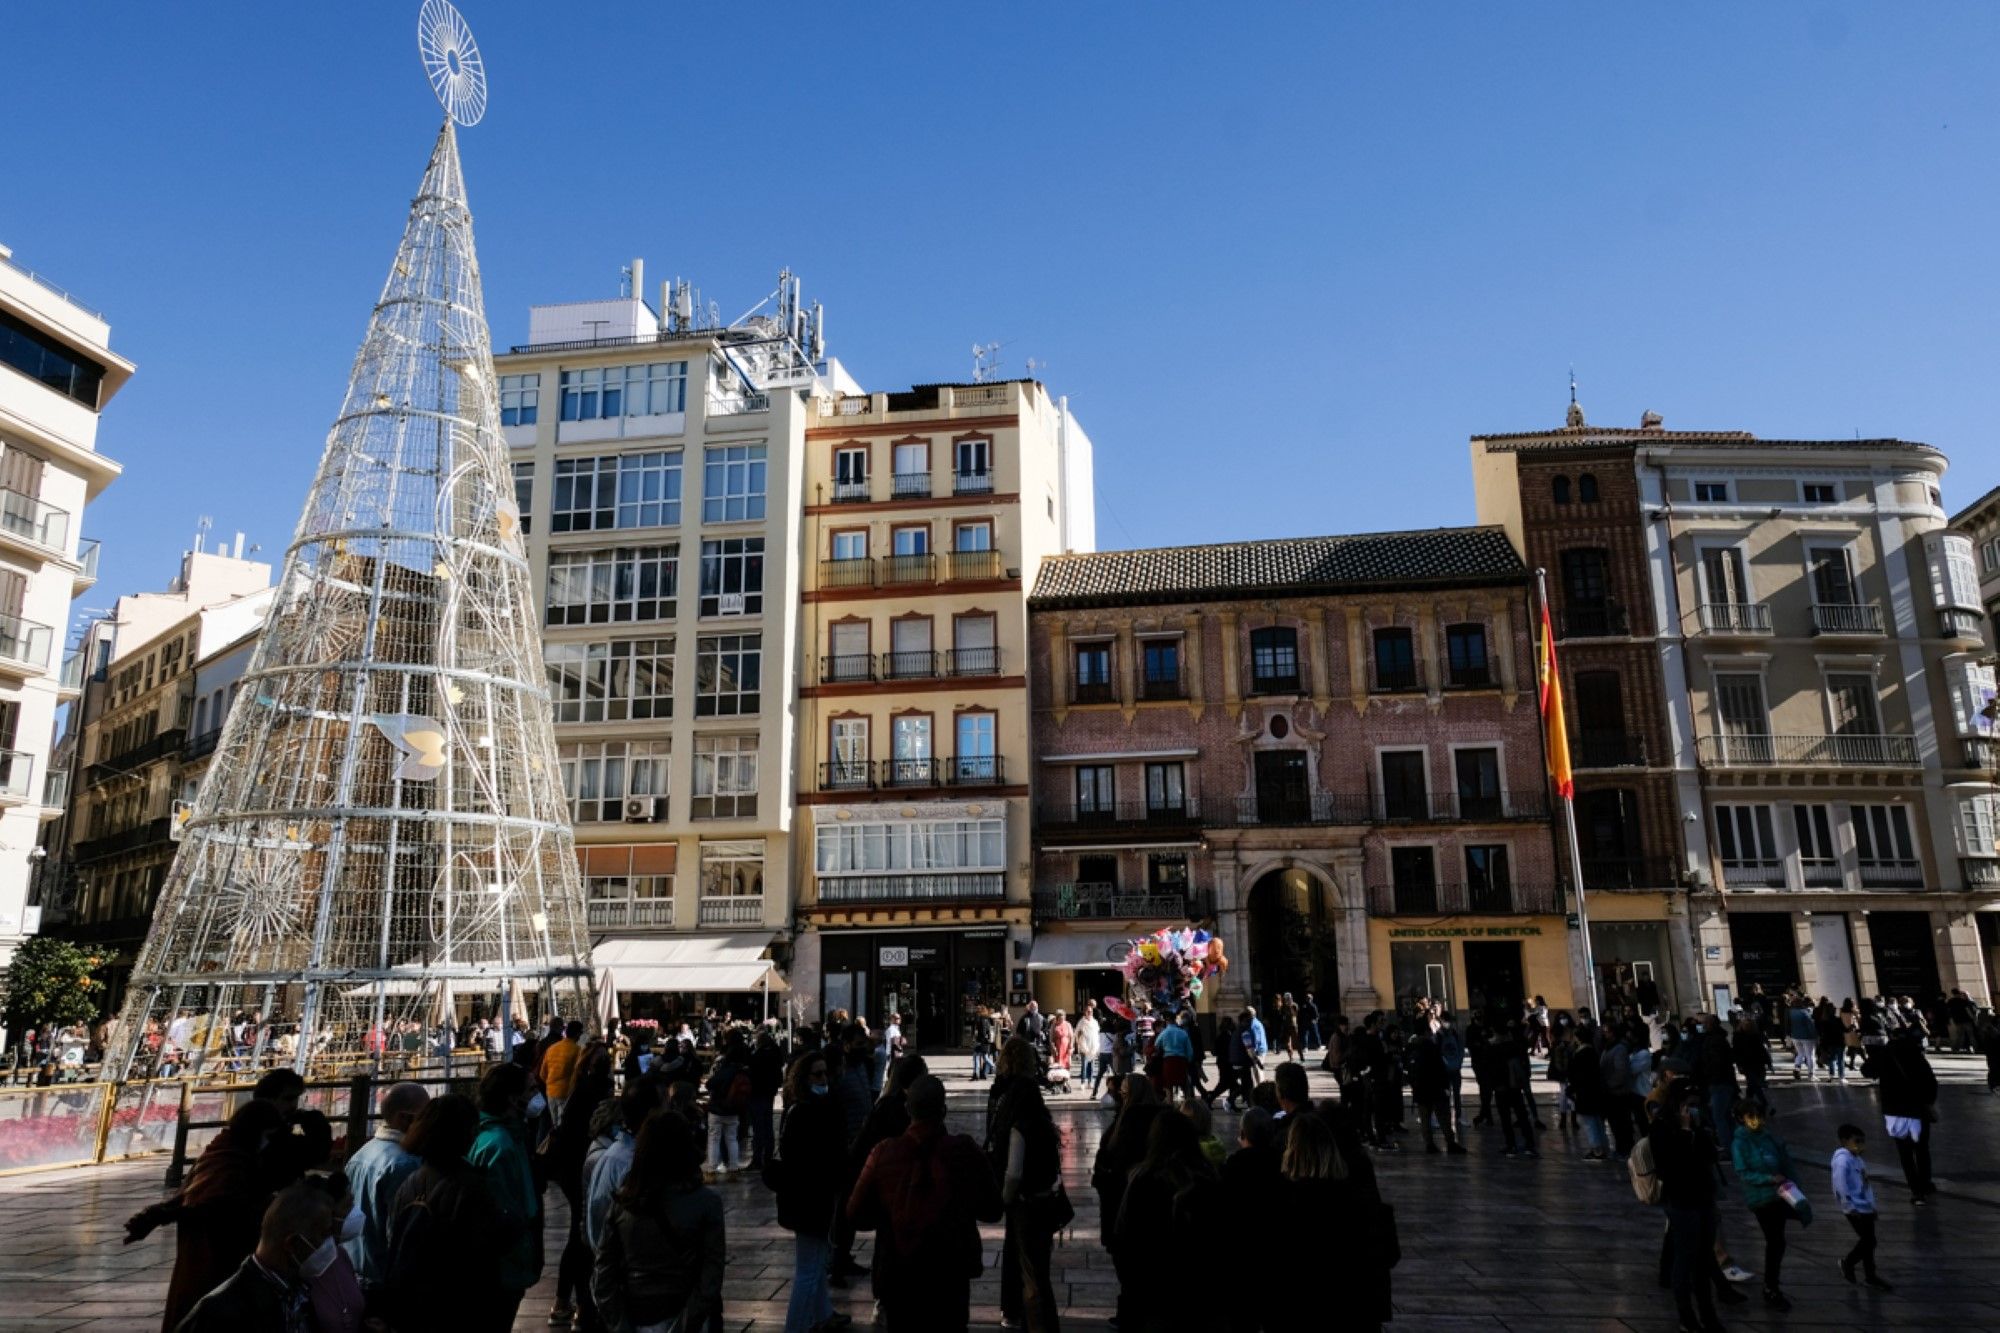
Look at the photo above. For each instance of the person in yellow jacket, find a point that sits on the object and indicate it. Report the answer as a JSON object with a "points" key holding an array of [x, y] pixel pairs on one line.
{"points": [[558, 1067]]}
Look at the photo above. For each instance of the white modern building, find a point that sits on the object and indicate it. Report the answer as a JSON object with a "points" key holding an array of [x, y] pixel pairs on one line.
{"points": [[57, 372]]}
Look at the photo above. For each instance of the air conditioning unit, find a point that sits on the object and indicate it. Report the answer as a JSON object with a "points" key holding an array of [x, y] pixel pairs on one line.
{"points": [[643, 809]]}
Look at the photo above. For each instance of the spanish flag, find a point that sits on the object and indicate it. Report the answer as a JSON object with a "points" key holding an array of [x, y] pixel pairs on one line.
{"points": [[1555, 733]]}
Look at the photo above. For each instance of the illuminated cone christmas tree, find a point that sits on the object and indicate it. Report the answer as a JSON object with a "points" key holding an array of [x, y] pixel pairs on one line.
{"points": [[382, 832]]}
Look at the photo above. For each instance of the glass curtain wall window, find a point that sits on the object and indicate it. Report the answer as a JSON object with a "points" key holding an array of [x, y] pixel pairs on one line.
{"points": [[598, 587], [732, 576], [625, 680], [728, 675], [624, 391], [732, 486], [599, 776], [520, 399], [616, 491], [725, 777], [858, 848]]}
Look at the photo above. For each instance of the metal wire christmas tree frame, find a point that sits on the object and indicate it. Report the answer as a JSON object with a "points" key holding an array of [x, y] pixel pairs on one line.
{"points": [[381, 838]]}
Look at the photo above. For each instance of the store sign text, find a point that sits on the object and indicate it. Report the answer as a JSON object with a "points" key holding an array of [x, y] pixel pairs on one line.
{"points": [[1453, 932]]}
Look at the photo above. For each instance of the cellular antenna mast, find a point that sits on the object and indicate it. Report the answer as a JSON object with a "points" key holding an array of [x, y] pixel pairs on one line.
{"points": [[381, 837]]}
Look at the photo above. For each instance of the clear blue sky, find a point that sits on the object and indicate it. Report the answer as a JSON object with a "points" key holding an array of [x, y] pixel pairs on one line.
{"points": [[1284, 259]]}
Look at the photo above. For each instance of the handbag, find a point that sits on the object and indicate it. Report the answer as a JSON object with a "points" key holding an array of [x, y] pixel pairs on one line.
{"points": [[1051, 1212]]}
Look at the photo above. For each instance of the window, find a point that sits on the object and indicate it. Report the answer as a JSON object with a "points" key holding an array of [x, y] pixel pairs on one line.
{"points": [[1274, 660], [732, 484], [1989, 556], [635, 900], [524, 494], [1954, 573], [1413, 875], [616, 491], [913, 469], [850, 474], [911, 654], [600, 776], [1887, 852], [974, 649], [1166, 789], [1465, 656], [1489, 882], [848, 652], [1819, 858], [975, 536], [1094, 792], [848, 752], [862, 848], [1978, 825], [1832, 580], [725, 777], [911, 761], [1585, 578], [973, 470], [851, 545], [1167, 876], [911, 541], [1395, 660], [1479, 794], [1405, 792], [1586, 488], [732, 870], [732, 576], [600, 587], [728, 672], [1971, 686], [1851, 705], [976, 756], [1559, 490], [1093, 673], [1711, 492], [1161, 659], [603, 392], [1746, 725], [1722, 579], [1749, 847], [47, 361], [625, 680], [520, 399], [1818, 493]]}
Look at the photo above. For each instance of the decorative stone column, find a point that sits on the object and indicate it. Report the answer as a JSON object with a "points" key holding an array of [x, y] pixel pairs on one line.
{"points": [[1232, 920], [1357, 972]]}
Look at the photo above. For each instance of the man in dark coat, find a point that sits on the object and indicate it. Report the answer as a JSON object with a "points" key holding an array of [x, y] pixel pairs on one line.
{"points": [[268, 1293]]}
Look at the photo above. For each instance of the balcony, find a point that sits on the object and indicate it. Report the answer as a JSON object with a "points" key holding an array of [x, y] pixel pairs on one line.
{"points": [[1395, 680], [1980, 752], [200, 746], [140, 835], [87, 552], [1275, 684], [1734, 620], [733, 910], [1469, 677], [632, 913], [1106, 902], [1125, 816], [1459, 807], [910, 773], [917, 664], [910, 486], [850, 492], [24, 645], [17, 777], [972, 483], [27, 519], [1608, 749], [1463, 899], [919, 568], [122, 764], [1092, 692], [1163, 687], [1593, 622], [1979, 872], [846, 668], [1615, 873], [1754, 873], [974, 770], [1956, 622], [1851, 751], [847, 775], [1821, 872], [55, 789], [961, 566], [856, 573], [1303, 808], [1834, 621], [1892, 874], [70, 677], [977, 887], [972, 661]]}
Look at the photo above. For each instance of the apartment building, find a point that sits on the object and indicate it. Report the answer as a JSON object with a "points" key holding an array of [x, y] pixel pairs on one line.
{"points": [[1327, 746], [144, 718], [1979, 523], [927, 513], [57, 374], [1818, 635], [647, 447]]}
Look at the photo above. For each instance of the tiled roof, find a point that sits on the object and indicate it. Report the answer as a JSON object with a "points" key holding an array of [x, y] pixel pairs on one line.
{"points": [[1598, 437], [1976, 511], [1374, 560]]}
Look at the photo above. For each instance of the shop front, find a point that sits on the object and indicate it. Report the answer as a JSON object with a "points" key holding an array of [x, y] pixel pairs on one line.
{"points": [[935, 979], [1068, 967], [1471, 965]]}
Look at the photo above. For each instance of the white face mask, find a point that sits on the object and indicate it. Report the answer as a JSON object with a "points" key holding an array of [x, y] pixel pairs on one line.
{"points": [[319, 1260], [350, 1226]]}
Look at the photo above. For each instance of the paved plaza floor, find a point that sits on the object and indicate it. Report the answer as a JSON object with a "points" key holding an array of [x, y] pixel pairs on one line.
{"points": [[1489, 1242]]}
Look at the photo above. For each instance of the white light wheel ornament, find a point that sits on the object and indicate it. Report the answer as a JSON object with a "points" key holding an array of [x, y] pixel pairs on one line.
{"points": [[451, 62]]}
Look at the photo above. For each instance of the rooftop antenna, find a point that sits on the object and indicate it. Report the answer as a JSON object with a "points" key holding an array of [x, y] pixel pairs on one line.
{"points": [[201, 527], [985, 361], [1035, 365]]}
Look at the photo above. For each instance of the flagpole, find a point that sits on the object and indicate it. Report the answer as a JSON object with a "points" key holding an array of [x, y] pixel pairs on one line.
{"points": [[1569, 817]]}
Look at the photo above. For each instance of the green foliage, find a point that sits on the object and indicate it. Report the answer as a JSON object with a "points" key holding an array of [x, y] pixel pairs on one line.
{"points": [[52, 983]]}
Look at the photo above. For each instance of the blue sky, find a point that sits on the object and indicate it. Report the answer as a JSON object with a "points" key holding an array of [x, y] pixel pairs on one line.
{"points": [[1283, 258]]}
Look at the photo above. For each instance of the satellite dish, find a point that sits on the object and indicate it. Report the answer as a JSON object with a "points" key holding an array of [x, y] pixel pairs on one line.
{"points": [[451, 62]]}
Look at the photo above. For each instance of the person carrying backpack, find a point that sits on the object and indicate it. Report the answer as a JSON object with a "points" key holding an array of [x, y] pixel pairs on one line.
{"points": [[729, 1092]]}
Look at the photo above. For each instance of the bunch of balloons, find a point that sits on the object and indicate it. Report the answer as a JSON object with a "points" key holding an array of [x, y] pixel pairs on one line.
{"points": [[1169, 966]]}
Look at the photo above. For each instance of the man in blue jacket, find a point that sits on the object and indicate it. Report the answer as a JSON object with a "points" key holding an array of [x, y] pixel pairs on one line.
{"points": [[1805, 1037], [375, 1172]]}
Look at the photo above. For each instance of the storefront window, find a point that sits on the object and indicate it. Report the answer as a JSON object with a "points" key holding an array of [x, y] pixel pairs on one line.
{"points": [[1421, 972]]}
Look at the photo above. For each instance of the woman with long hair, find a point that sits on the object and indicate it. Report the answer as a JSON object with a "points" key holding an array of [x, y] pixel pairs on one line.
{"points": [[1338, 1226], [660, 1262], [1028, 1155], [812, 1156], [448, 1223], [1173, 1193], [1122, 1148]]}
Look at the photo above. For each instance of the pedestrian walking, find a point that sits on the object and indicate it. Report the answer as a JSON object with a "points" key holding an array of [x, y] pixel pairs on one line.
{"points": [[1026, 1155], [1805, 1039], [1857, 1204], [661, 1261], [985, 1031], [1764, 1170], [812, 1151], [730, 1092], [450, 1236], [1684, 1165], [563, 1155], [1909, 1091], [1514, 1091], [767, 1081], [1091, 1069]]}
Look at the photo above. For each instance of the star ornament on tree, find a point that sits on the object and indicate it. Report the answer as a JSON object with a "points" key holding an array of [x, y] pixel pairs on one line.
{"points": [[420, 740]]}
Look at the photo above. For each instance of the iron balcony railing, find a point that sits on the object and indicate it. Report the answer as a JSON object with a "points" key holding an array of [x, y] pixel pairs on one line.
{"points": [[1430, 899], [1863, 619], [25, 643], [847, 775], [909, 485], [915, 664], [962, 566], [910, 773], [1761, 872], [730, 911], [974, 770], [1395, 679], [1594, 622], [1820, 872], [1608, 749], [842, 668], [162, 745], [1163, 687], [972, 483], [629, 913], [1092, 692], [1734, 617], [970, 886], [1124, 815], [1469, 677], [919, 568], [31, 520], [1108, 902], [972, 661], [1979, 872], [140, 835], [1629, 872], [858, 572], [1892, 874], [850, 492], [1841, 751], [203, 744], [17, 776], [1274, 683]]}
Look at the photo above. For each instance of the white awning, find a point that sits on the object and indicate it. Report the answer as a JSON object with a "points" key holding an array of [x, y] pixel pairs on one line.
{"points": [[1081, 950], [668, 963]]}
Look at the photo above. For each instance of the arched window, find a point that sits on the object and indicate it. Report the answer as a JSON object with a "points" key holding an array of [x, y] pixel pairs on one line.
{"points": [[1561, 488], [1586, 488]]}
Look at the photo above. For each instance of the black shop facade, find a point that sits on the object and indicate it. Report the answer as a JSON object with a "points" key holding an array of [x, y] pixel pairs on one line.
{"points": [[936, 979]]}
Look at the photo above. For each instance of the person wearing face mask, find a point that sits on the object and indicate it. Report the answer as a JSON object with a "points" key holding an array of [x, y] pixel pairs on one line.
{"points": [[809, 1176], [501, 1149], [335, 1296], [1764, 1167], [271, 1291]]}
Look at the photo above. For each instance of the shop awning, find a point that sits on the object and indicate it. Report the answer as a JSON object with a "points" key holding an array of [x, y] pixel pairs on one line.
{"points": [[1082, 950], [713, 963]]}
